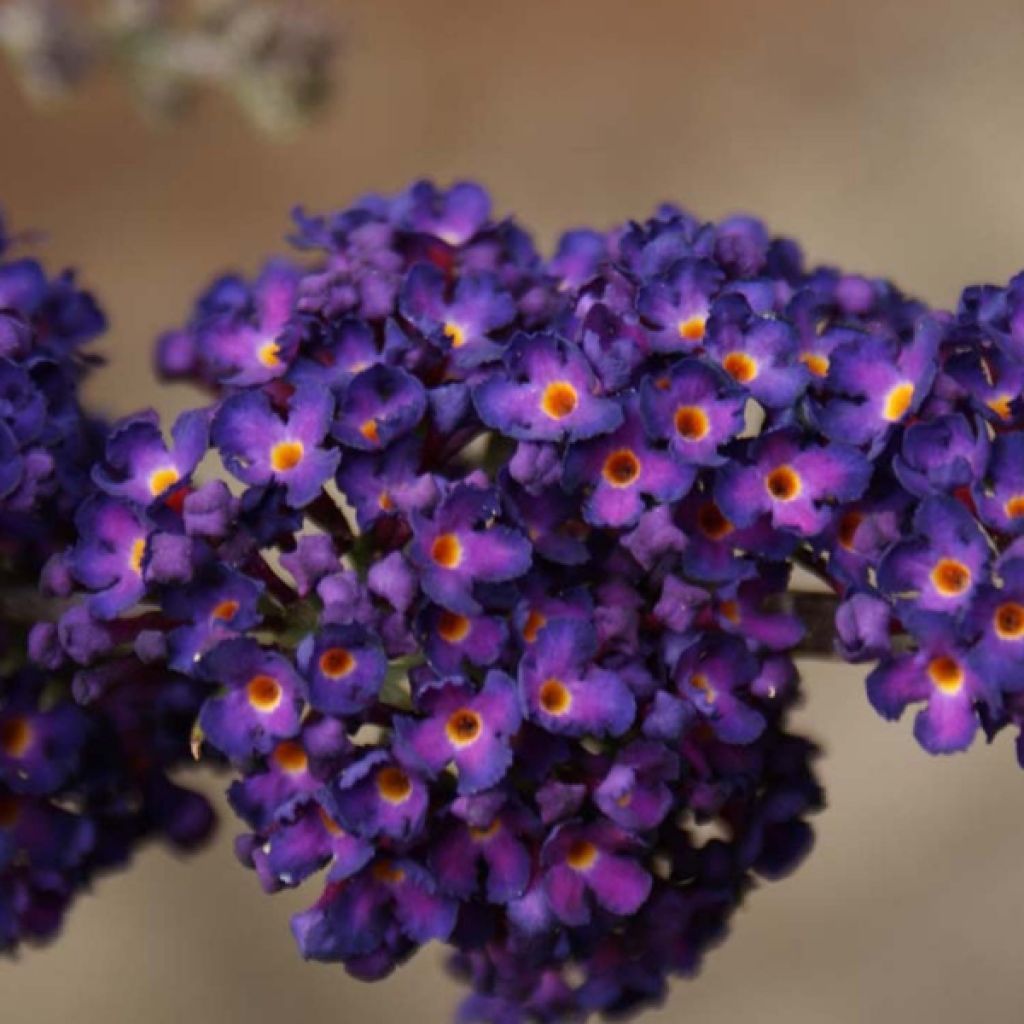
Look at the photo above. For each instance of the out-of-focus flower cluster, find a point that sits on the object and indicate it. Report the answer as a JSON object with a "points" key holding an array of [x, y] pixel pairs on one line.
{"points": [[82, 771], [274, 57]]}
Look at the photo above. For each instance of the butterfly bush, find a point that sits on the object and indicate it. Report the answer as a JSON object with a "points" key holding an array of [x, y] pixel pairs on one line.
{"points": [[492, 623], [83, 758]]}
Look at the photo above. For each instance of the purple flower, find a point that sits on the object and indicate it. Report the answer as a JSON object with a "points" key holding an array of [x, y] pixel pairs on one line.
{"points": [[258, 446], [623, 468], [139, 465], [450, 640], [999, 493], [260, 703], [379, 405], [376, 796], [595, 860], [942, 455], [344, 666], [468, 729], [465, 325], [696, 408], [938, 568], [456, 548], [546, 392], [678, 304], [565, 692], [454, 216], [793, 482], [381, 484]]}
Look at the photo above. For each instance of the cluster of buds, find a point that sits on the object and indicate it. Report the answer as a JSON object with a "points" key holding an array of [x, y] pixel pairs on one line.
{"points": [[83, 776], [273, 58]]}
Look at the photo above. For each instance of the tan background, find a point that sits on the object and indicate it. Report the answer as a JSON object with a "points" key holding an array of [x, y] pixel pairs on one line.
{"points": [[887, 136]]}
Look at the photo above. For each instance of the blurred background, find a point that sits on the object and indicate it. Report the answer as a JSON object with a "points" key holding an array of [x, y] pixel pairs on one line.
{"points": [[887, 137]]}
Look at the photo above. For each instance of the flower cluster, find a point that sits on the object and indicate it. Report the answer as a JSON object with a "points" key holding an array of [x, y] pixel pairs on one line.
{"points": [[82, 761], [929, 561], [494, 623]]}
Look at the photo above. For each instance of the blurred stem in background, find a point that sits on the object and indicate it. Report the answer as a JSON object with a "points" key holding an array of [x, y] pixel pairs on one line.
{"points": [[276, 58]]}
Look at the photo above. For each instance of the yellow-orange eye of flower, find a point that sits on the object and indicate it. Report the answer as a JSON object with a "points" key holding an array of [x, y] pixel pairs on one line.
{"points": [[455, 334], [463, 727], [336, 662], [897, 402], [692, 423], [621, 468], [692, 328], [16, 735], [453, 628], [581, 855], [815, 362], [329, 823], [555, 697], [385, 502], [137, 552], [481, 835], [10, 810], [848, 526], [535, 622], [264, 693], [446, 551], [393, 784], [559, 399], [269, 354], [1001, 406], [286, 455], [369, 430], [1009, 621], [945, 672], [784, 483], [223, 611], [701, 683], [950, 577], [740, 367], [1014, 507], [388, 873], [291, 758], [161, 479], [712, 523], [730, 610]]}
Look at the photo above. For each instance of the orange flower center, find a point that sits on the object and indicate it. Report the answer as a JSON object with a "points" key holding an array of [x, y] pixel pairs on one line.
{"points": [[137, 552], [393, 784], [621, 468], [692, 328], [1009, 621], [950, 577], [269, 354], [897, 402], [712, 523], [369, 430], [692, 423], [161, 479], [16, 736], [388, 873], [815, 362], [336, 662], [225, 610], [453, 628], [286, 455], [783, 483], [555, 697], [702, 684], [291, 758], [848, 526], [535, 622], [947, 675], [1001, 406], [264, 693], [446, 551], [740, 367], [730, 610], [1014, 507], [455, 334], [581, 855], [559, 399], [481, 835], [463, 727]]}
